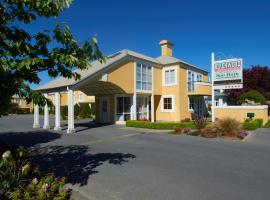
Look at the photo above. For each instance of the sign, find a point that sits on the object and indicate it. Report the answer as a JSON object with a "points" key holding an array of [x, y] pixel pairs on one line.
{"points": [[229, 86], [226, 74], [228, 70]]}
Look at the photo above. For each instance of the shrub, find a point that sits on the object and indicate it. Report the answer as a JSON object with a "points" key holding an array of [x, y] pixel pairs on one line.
{"points": [[200, 122], [76, 110], [186, 120], [252, 125], [242, 134], [210, 131], [85, 111], [159, 125], [223, 127], [46, 188], [64, 112], [20, 179], [267, 125], [228, 126], [260, 122], [252, 95], [182, 130]]}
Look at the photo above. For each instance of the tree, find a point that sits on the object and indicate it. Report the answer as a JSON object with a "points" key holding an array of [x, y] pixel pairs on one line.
{"points": [[254, 78], [253, 96], [24, 55]]}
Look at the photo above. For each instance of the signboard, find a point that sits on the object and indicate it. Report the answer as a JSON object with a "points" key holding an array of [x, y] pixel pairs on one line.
{"points": [[228, 70], [226, 74], [229, 86]]}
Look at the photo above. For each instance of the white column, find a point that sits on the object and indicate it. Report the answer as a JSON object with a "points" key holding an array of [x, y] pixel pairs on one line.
{"points": [[134, 100], [57, 125], [36, 117], [213, 89], [220, 102], [71, 128], [152, 108], [46, 115], [134, 106], [152, 96]]}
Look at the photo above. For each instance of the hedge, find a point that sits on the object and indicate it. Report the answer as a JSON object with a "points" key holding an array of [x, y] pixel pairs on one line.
{"points": [[160, 125], [252, 125], [267, 125]]}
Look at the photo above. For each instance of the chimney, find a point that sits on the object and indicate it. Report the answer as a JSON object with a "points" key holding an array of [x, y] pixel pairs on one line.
{"points": [[166, 47]]}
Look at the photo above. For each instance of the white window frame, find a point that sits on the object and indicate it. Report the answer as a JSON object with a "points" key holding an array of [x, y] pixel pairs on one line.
{"points": [[80, 97], [115, 108], [199, 74], [169, 69], [141, 80], [162, 103], [190, 109]]}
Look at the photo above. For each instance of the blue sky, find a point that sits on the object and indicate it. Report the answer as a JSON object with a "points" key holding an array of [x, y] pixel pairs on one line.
{"points": [[235, 28]]}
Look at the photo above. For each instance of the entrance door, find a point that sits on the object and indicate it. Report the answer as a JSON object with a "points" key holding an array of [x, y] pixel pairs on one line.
{"points": [[104, 110], [198, 106]]}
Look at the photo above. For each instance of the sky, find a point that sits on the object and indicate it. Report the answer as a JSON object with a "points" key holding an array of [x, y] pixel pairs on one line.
{"points": [[231, 28]]}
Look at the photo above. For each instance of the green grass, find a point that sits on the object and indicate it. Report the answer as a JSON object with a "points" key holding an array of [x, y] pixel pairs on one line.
{"points": [[160, 125]]}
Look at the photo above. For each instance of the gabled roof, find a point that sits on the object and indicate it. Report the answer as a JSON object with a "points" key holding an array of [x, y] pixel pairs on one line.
{"points": [[166, 60], [96, 66]]}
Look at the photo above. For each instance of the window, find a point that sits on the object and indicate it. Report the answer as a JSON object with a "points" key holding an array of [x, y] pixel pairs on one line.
{"points": [[191, 103], [168, 104], [142, 108], [191, 81], [199, 77], [123, 105], [143, 77], [169, 76], [80, 97]]}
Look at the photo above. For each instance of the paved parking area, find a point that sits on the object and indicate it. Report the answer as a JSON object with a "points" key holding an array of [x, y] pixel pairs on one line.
{"points": [[112, 162]]}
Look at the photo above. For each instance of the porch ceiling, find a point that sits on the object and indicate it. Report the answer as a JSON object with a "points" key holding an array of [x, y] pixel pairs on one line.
{"points": [[101, 88]]}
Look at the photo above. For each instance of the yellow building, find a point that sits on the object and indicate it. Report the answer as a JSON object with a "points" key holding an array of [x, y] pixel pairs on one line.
{"points": [[22, 104], [79, 97], [130, 85]]}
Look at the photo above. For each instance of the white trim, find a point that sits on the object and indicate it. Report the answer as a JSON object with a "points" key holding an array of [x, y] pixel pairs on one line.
{"points": [[190, 110], [115, 107], [133, 108], [202, 83], [243, 107], [162, 103], [152, 98], [164, 69]]}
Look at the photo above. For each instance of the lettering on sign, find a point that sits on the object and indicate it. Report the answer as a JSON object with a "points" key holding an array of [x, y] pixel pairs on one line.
{"points": [[227, 70]]}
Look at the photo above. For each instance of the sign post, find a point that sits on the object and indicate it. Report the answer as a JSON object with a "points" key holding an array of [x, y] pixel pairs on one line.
{"points": [[226, 74], [213, 88]]}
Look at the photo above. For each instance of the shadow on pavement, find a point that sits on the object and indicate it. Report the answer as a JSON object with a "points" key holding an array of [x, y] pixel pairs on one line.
{"points": [[83, 126], [28, 139], [75, 162]]}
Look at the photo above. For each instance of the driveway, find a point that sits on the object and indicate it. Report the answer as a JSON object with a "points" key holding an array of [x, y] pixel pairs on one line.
{"points": [[114, 162]]}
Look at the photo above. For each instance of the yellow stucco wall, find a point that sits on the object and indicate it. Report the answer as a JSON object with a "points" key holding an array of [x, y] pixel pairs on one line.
{"points": [[167, 91], [123, 76], [202, 89], [241, 113], [180, 93]]}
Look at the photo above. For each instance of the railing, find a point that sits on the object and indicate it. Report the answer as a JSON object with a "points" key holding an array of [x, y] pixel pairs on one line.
{"points": [[195, 87]]}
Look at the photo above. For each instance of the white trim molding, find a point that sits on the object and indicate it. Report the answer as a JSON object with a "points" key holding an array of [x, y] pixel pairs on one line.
{"points": [[259, 107], [162, 103], [202, 83], [164, 69]]}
